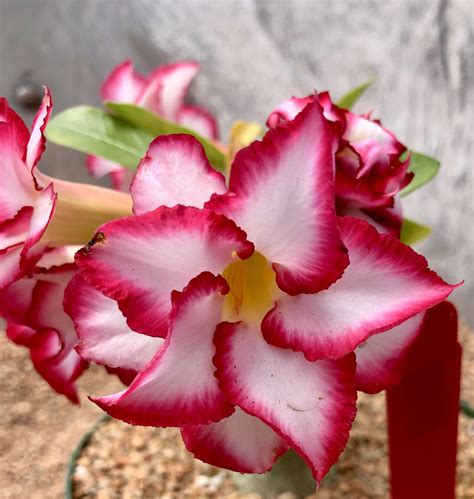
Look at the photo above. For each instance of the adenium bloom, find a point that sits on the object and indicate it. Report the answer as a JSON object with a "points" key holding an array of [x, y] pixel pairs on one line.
{"points": [[163, 92], [33, 309], [37, 210], [370, 170], [247, 302], [36, 319]]}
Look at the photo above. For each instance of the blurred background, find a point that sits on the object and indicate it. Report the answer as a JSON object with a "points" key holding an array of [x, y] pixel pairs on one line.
{"points": [[254, 54], [257, 53]]}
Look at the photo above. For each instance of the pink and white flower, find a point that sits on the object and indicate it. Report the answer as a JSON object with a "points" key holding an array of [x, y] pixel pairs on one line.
{"points": [[37, 210], [248, 301], [370, 170], [26, 203], [163, 92], [33, 309], [36, 317]]}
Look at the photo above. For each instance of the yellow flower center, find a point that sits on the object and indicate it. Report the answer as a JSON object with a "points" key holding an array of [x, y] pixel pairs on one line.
{"points": [[253, 289]]}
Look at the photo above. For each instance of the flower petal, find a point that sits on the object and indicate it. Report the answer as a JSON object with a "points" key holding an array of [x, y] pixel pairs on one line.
{"points": [[46, 309], [14, 230], [385, 220], [167, 86], [22, 135], [103, 333], [126, 376], [16, 186], [36, 320], [385, 284], [174, 171], [15, 301], [139, 260], [10, 265], [120, 176], [281, 193], [178, 386], [42, 214], [288, 110], [59, 367], [380, 358], [123, 84], [310, 404], [37, 143], [99, 167], [239, 442], [360, 129], [198, 119], [19, 333]]}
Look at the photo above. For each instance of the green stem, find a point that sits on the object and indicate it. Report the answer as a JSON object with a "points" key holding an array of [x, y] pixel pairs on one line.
{"points": [[71, 467], [289, 474]]}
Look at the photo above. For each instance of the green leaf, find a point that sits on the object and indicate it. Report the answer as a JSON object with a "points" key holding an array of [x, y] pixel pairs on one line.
{"points": [[156, 125], [93, 131], [413, 232], [424, 168], [348, 100]]}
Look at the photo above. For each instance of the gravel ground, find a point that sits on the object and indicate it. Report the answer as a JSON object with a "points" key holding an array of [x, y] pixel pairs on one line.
{"points": [[39, 430]]}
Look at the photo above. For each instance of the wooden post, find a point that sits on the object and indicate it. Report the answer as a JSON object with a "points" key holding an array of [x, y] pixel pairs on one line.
{"points": [[423, 412]]}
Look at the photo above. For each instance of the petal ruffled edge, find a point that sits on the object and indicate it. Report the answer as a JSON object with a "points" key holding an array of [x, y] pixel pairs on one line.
{"points": [[178, 387], [386, 283], [240, 442], [309, 404], [175, 170]]}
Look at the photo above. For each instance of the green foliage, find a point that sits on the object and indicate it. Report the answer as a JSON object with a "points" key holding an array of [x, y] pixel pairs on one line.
{"points": [[122, 137], [424, 168], [413, 232], [156, 125], [347, 101], [93, 131]]}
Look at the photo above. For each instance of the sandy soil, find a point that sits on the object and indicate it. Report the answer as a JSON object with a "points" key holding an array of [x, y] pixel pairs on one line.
{"points": [[39, 430]]}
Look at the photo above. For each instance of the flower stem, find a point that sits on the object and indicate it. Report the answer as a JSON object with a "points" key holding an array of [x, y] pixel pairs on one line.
{"points": [[81, 209]]}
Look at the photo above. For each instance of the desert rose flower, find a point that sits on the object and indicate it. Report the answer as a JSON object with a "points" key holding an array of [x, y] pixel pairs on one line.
{"points": [[33, 309], [260, 292], [36, 319], [163, 92], [37, 210], [370, 170]]}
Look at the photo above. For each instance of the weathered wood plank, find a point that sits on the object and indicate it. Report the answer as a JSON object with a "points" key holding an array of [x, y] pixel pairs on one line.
{"points": [[256, 53]]}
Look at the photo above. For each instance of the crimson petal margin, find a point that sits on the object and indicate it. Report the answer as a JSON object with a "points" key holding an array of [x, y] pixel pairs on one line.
{"points": [[281, 192], [309, 404], [239, 442], [37, 143], [178, 386], [139, 260], [21, 133], [123, 84], [60, 369], [175, 170], [16, 186], [42, 214], [199, 120], [288, 110], [380, 359], [9, 265], [104, 337], [386, 283], [167, 87]]}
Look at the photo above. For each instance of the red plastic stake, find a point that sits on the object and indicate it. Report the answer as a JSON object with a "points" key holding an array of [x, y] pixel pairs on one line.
{"points": [[423, 412]]}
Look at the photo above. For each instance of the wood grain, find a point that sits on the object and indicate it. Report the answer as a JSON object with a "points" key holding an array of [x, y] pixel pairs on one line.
{"points": [[256, 53]]}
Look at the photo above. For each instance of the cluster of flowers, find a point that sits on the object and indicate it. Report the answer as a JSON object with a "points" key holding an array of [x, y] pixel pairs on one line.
{"points": [[245, 310]]}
